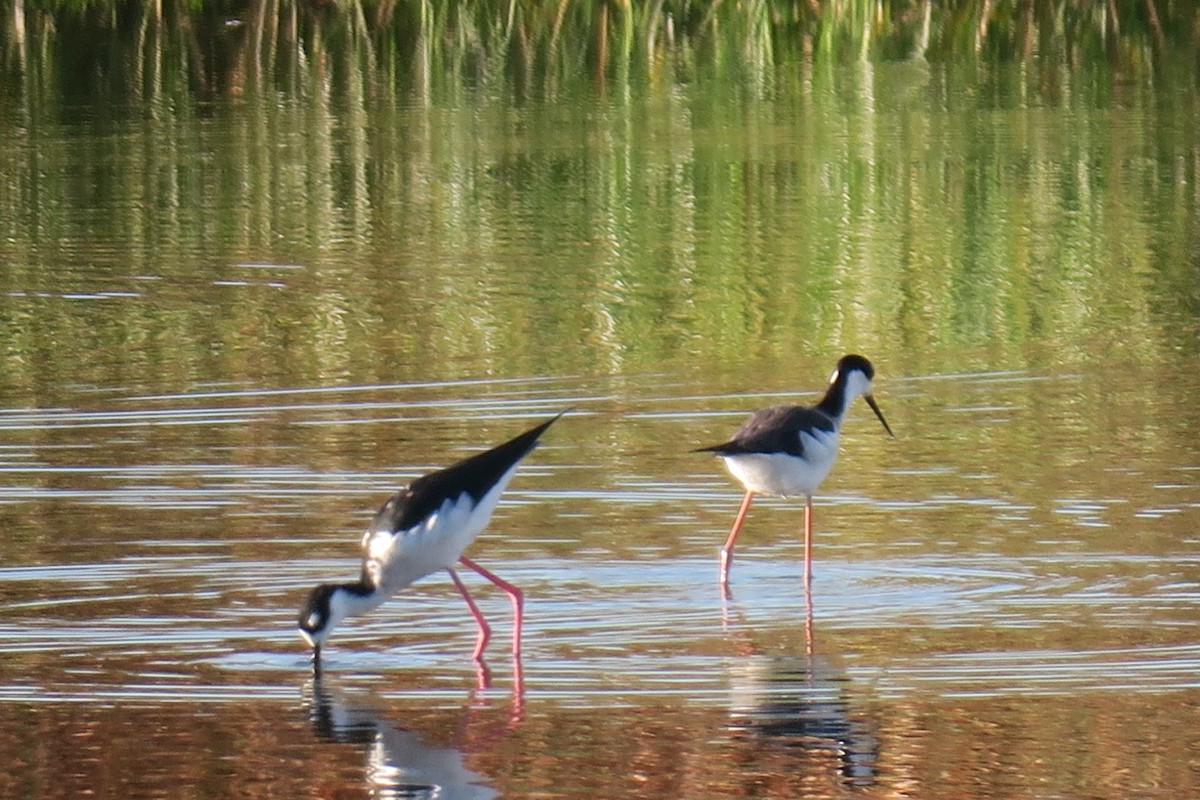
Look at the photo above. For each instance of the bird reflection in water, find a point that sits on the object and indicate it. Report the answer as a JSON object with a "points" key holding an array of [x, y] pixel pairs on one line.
{"points": [[799, 708], [400, 763]]}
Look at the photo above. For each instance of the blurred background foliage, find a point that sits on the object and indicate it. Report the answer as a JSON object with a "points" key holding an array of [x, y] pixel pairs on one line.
{"points": [[529, 45], [418, 190]]}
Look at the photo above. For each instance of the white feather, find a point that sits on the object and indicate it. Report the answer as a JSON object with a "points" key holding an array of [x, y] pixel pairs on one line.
{"points": [[783, 474], [394, 560]]}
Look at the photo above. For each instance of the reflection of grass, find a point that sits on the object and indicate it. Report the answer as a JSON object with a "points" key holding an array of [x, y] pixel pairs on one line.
{"points": [[481, 184]]}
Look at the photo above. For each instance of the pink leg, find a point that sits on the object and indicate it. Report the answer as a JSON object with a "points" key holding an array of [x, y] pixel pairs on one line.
{"points": [[727, 550], [485, 632], [808, 544], [514, 594]]}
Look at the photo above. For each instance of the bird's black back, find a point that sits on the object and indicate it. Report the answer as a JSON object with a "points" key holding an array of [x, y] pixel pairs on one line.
{"points": [[475, 476], [773, 430]]}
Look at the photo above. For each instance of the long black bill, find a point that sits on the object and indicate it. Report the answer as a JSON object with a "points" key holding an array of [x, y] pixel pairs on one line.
{"points": [[875, 407], [316, 661]]}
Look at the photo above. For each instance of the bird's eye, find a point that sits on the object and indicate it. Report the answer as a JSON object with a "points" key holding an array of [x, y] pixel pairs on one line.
{"points": [[313, 622]]}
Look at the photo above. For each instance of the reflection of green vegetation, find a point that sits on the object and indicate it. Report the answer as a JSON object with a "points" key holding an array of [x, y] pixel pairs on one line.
{"points": [[467, 188]]}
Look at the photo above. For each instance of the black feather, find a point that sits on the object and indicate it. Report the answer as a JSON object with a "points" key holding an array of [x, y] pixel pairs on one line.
{"points": [[773, 430], [474, 476]]}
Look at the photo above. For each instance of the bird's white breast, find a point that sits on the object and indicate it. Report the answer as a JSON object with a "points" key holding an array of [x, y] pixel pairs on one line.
{"points": [[786, 475], [394, 560]]}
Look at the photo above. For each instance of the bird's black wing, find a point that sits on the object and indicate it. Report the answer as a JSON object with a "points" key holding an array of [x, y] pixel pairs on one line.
{"points": [[474, 476], [773, 430]]}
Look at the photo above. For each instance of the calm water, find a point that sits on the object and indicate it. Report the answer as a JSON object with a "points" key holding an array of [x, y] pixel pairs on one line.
{"points": [[233, 324]]}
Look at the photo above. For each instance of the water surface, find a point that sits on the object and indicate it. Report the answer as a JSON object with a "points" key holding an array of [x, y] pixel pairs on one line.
{"points": [[960, 592], [234, 323]]}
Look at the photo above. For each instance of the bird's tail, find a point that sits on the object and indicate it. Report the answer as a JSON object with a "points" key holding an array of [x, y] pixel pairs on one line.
{"points": [[722, 449]]}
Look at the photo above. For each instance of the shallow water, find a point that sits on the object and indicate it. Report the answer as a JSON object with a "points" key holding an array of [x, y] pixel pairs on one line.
{"points": [[972, 610], [234, 320]]}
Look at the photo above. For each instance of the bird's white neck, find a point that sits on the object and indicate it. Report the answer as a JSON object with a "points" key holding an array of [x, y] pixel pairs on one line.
{"points": [[349, 600], [843, 391]]}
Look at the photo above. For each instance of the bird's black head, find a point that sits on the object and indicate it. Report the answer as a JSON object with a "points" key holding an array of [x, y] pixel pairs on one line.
{"points": [[850, 363], [316, 615], [330, 603], [851, 379]]}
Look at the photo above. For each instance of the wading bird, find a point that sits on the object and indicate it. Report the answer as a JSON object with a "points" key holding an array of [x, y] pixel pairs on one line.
{"points": [[420, 530], [788, 450]]}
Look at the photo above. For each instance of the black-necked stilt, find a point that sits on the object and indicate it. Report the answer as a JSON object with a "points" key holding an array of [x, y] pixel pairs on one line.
{"points": [[420, 530], [788, 450]]}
